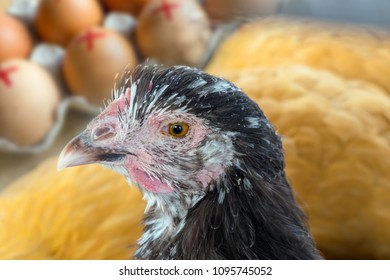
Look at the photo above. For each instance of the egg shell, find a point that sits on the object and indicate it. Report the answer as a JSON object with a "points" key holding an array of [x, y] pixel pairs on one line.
{"points": [[92, 61], [133, 7], [173, 32], [15, 40], [28, 101], [229, 10], [58, 21]]}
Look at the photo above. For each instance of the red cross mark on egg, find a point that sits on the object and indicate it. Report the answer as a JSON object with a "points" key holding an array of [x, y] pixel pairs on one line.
{"points": [[5, 75], [166, 8], [89, 37]]}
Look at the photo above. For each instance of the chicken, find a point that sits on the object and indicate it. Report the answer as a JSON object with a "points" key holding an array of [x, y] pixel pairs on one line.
{"points": [[82, 213], [326, 90], [332, 112], [336, 137], [351, 52], [207, 161]]}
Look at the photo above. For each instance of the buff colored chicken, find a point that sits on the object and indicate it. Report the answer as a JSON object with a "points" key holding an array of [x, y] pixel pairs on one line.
{"points": [[351, 52], [335, 125], [80, 213]]}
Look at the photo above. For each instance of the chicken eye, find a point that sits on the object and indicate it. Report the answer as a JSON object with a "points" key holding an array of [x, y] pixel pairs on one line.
{"points": [[178, 129]]}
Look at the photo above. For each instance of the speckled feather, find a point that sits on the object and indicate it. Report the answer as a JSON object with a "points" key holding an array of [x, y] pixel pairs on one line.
{"points": [[249, 211], [217, 192]]}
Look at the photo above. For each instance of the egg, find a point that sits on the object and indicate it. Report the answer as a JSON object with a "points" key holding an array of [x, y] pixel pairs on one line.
{"points": [[58, 21], [16, 41], [228, 10], [93, 59], [173, 32], [28, 101], [130, 6]]}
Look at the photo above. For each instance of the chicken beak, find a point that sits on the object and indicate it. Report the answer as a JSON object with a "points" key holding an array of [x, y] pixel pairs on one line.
{"points": [[82, 150], [75, 153]]}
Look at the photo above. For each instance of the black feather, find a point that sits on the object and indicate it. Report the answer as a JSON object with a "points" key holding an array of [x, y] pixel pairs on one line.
{"points": [[257, 217]]}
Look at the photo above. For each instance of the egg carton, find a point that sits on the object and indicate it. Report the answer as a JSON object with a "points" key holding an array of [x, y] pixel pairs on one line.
{"points": [[50, 57]]}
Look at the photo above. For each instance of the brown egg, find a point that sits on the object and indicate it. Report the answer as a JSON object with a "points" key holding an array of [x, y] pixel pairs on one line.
{"points": [[28, 102], [93, 59], [58, 21], [133, 7], [227, 10], [15, 39], [173, 32]]}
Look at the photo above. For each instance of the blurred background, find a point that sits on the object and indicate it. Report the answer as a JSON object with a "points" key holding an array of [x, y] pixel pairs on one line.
{"points": [[319, 69], [355, 11]]}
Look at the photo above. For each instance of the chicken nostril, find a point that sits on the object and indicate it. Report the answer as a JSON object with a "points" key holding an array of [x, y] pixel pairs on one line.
{"points": [[103, 133]]}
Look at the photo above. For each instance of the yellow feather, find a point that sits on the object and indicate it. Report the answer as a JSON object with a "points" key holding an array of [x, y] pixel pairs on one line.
{"points": [[351, 52], [337, 149], [83, 212]]}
